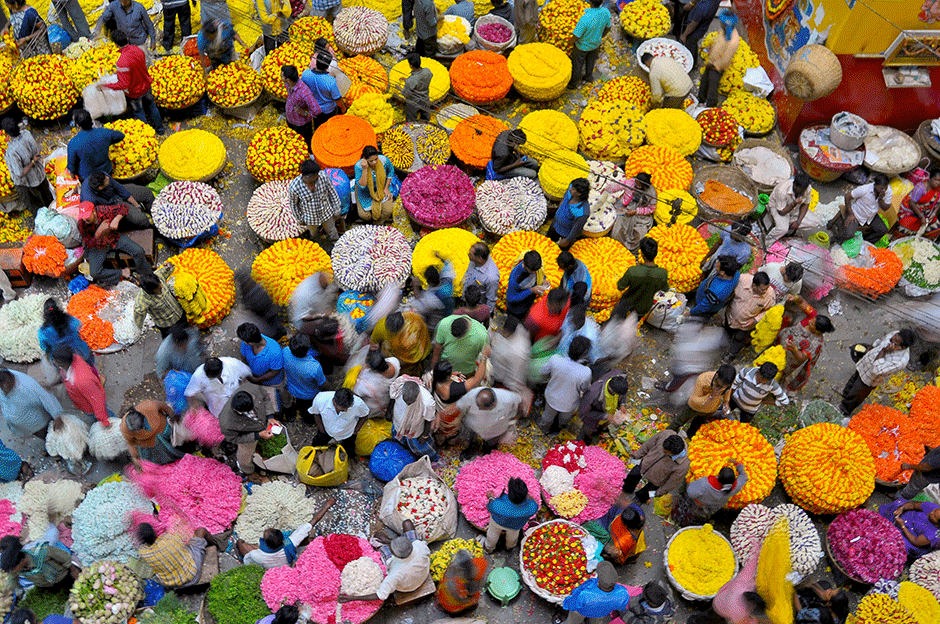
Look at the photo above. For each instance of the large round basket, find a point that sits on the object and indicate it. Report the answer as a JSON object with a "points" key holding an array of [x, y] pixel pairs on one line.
{"points": [[909, 289], [492, 45], [895, 171], [452, 50], [676, 51], [729, 176], [816, 168], [927, 141], [835, 562], [241, 111], [773, 147], [527, 577], [672, 580], [813, 72]]}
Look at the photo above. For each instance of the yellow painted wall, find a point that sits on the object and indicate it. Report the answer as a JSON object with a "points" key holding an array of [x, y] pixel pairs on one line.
{"points": [[864, 30]]}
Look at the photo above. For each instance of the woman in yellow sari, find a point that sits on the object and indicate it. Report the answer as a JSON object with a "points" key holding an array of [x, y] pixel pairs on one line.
{"points": [[404, 335], [377, 186]]}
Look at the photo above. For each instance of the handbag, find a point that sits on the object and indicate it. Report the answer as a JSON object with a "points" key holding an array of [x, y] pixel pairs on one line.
{"points": [[919, 173]]}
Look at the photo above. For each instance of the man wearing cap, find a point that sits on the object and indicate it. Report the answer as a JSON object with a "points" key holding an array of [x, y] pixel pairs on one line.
{"points": [[408, 561], [597, 597]]}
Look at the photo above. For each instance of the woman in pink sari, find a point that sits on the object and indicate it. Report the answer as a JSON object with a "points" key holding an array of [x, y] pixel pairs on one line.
{"points": [[920, 207]]}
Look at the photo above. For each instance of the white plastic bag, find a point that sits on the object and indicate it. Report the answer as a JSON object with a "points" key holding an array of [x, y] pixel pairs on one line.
{"points": [[758, 82], [100, 101], [256, 59], [666, 313], [446, 526]]}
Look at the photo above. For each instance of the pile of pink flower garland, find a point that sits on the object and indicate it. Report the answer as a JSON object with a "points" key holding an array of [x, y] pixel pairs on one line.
{"points": [[581, 482], [866, 545], [490, 472], [438, 196], [7, 525], [315, 579]]}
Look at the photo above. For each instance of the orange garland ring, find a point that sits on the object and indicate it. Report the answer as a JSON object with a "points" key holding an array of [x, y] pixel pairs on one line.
{"points": [[338, 143], [480, 76], [85, 305], [44, 255], [893, 439], [925, 412], [878, 279], [472, 140]]}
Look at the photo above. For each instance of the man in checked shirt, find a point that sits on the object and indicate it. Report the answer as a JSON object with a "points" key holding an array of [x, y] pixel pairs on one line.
{"points": [[315, 203], [886, 357]]}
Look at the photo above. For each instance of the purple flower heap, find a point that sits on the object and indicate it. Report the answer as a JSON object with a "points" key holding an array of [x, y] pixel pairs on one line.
{"points": [[438, 196], [866, 545]]}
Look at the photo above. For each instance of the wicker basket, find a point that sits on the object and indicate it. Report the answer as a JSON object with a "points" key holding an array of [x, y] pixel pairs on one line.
{"points": [[527, 577], [490, 45], [773, 147], [893, 172], [927, 140], [813, 72], [455, 49], [672, 580], [837, 565], [729, 176]]}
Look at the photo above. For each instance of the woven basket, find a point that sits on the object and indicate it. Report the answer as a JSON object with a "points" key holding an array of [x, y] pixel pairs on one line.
{"points": [[893, 172], [813, 72], [490, 45], [927, 141], [837, 565], [773, 147], [729, 176], [455, 49], [672, 580], [527, 577]]}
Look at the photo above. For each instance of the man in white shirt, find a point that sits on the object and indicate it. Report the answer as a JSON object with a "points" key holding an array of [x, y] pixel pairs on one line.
{"points": [[274, 549], [568, 379], [669, 82], [408, 562], [214, 383], [787, 208], [886, 357], [487, 414], [510, 349], [862, 211], [413, 415], [339, 415], [786, 279], [483, 272]]}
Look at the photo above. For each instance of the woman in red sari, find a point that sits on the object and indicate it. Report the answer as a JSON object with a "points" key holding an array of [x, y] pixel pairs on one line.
{"points": [[803, 343], [920, 207]]}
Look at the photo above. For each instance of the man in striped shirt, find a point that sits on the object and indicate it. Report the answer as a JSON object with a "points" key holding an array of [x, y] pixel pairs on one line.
{"points": [[886, 357], [752, 386]]}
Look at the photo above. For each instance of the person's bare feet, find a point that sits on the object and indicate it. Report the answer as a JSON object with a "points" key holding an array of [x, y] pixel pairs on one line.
{"points": [[126, 273]]}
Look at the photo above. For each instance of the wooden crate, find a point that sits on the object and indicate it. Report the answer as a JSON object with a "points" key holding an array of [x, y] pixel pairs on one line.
{"points": [[144, 238], [11, 262]]}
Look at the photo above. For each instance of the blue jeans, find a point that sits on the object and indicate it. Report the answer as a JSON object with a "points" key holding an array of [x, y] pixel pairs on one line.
{"points": [[145, 109]]}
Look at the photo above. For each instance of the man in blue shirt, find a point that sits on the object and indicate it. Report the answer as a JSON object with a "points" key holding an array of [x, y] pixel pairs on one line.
{"points": [[588, 32], [509, 514], [713, 293], [732, 242], [464, 9], [323, 87], [572, 214], [696, 23], [597, 597], [524, 285], [88, 150], [100, 189], [304, 377], [265, 358], [575, 272]]}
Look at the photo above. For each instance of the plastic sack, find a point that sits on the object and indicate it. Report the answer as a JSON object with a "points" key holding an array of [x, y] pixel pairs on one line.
{"points": [[57, 35], [67, 186], [174, 384], [101, 101], [322, 466], [446, 525], [340, 182], [666, 313], [106, 442], [371, 434], [758, 82], [70, 440], [285, 462], [388, 459], [62, 226], [662, 505]]}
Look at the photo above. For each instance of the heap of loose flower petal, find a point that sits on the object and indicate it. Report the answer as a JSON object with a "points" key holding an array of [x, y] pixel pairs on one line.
{"points": [[611, 129], [671, 127], [510, 205], [451, 244], [441, 557], [733, 76], [548, 131], [20, 321], [366, 75], [85, 305], [137, 152], [233, 85], [472, 140], [645, 19], [663, 213], [275, 154], [681, 250], [669, 170], [214, 277], [454, 30], [101, 524], [893, 439], [291, 53], [866, 545], [594, 475], [178, 82], [508, 252], [44, 255], [480, 76], [360, 30], [607, 260], [42, 87], [721, 440], [826, 468], [192, 155], [269, 213], [12, 227], [338, 142], [184, 210], [286, 263], [275, 504], [92, 64], [374, 108], [754, 113], [559, 170], [557, 20], [540, 71], [925, 412], [307, 29], [719, 128], [368, 257], [440, 78], [877, 279], [630, 88], [438, 196]]}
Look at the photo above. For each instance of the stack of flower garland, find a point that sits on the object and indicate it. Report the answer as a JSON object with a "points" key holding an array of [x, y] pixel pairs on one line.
{"points": [[42, 87], [307, 29], [93, 63], [559, 170], [438, 196], [670, 127], [827, 469], [540, 71], [721, 440], [581, 482], [548, 131], [368, 257], [681, 251], [451, 244], [663, 212], [602, 175], [441, 558], [919, 601], [185, 210], [877, 607], [20, 321], [554, 557], [875, 280], [645, 19], [432, 145], [511, 205], [85, 306], [366, 75], [557, 21], [105, 592], [719, 128], [101, 523], [6, 89], [926, 572], [207, 269], [338, 143], [611, 129], [178, 82], [480, 76], [440, 81], [508, 252], [766, 330], [700, 560], [489, 473], [192, 155], [274, 504], [286, 263], [290, 53], [137, 152], [753, 113], [669, 170], [733, 76], [866, 546], [472, 140], [360, 30], [630, 88], [893, 439], [752, 525], [44, 255], [12, 229], [269, 213], [925, 412], [375, 109], [423, 500], [233, 84], [275, 154], [607, 260]]}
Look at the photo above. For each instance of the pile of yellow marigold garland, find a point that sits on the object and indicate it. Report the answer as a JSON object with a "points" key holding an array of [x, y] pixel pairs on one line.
{"points": [[743, 59], [669, 170], [376, 109], [6, 182], [630, 88], [481, 76], [291, 53], [233, 85], [721, 440], [827, 469], [559, 170], [276, 154], [663, 212], [452, 244], [681, 251], [137, 152], [6, 89], [607, 260], [42, 87], [611, 129], [557, 20], [92, 64], [540, 71], [215, 279], [191, 155], [645, 19], [508, 252], [671, 127], [308, 29], [548, 131], [701, 560], [178, 82], [286, 263], [440, 79], [753, 113], [366, 75]]}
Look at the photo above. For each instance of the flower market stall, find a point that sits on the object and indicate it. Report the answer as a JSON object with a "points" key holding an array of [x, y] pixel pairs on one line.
{"points": [[552, 559], [283, 265], [137, 152], [440, 82], [485, 473], [511, 205], [275, 504], [438, 196], [368, 257], [892, 437], [451, 244], [698, 561], [276, 154], [581, 482], [269, 213], [194, 155], [42, 87], [186, 212], [360, 30], [472, 139], [920, 260], [338, 142], [480, 76]]}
